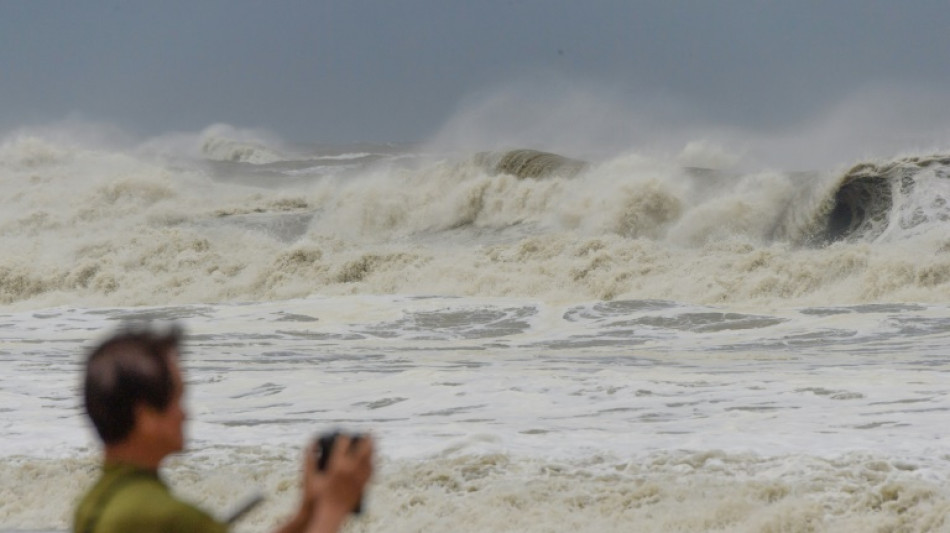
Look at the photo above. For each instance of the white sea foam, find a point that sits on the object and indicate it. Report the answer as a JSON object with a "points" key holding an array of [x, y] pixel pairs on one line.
{"points": [[646, 412], [675, 491]]}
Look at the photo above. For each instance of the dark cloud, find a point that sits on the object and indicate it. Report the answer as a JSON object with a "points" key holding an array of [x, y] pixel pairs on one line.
{"points": [[362, 70]]}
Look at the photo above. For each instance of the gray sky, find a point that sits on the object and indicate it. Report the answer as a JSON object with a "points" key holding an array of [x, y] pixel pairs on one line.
{"points": [[400, 70]]}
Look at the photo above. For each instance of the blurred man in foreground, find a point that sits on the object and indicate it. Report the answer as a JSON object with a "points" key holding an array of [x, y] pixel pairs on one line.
{"points": [[133, 392]]}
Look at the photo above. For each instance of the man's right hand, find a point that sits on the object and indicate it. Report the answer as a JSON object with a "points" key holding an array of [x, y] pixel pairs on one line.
{"points": [[334, 492]]}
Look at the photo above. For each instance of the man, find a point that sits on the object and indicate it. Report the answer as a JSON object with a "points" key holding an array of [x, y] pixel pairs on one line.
{"points": [[133, 392]]}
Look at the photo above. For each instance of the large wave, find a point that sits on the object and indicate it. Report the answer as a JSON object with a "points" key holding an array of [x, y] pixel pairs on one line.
{"points": [[112, 227], [861, 204], [875, 199]]}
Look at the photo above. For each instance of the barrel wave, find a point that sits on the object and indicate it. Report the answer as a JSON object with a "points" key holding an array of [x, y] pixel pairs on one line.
{"points": [[874, 199]]}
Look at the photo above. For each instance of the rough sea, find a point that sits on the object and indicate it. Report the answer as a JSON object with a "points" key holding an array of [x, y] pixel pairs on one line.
{"points": [[539, 342]]}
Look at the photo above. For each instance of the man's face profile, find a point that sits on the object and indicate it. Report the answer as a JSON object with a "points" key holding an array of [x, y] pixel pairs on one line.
{"points": [[164, 429]]}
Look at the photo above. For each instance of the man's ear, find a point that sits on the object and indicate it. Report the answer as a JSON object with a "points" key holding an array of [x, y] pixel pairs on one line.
{"points": [[146, 418]]}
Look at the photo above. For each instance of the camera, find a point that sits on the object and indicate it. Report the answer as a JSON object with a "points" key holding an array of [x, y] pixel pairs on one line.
{"points": [[323, 448]]}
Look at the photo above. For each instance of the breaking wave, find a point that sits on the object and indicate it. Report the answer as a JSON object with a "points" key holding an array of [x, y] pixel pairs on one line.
{"points": [[874, 199], [136, 230]]}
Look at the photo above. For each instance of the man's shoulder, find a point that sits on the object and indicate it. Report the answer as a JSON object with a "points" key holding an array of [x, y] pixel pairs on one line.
{"points": [[147, 505], [144, 504], [143, 492]]}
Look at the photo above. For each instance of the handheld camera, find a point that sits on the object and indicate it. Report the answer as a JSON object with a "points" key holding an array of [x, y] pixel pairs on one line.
{"points": [[324, 447]]}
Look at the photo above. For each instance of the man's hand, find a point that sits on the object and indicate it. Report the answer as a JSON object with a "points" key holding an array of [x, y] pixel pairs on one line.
{"points": [[335, 491]]}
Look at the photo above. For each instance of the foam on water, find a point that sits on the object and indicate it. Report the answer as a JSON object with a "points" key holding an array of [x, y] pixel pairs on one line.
{"points": [[655, 413], [676, 491]]}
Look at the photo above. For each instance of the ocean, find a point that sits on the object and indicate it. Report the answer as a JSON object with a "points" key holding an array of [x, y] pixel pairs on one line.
{"points": [[538, 342]]}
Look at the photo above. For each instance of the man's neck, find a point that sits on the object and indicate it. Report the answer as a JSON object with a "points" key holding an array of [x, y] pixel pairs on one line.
{"points": [[130, 453]]}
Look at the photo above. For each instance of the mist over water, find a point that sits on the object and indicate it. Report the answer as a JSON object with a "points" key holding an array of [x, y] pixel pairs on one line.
{"points": [[591, 120], [616, 325]]}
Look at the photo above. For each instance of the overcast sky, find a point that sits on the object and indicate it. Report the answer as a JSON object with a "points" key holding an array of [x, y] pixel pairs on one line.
{"points": [[403, 70]]}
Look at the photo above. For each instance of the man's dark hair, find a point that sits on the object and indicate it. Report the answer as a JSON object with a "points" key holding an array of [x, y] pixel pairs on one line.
{"points": [[125, 370]]}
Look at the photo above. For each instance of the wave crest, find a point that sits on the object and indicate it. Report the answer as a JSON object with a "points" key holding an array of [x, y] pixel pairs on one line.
{"points": [[526, 163], [224, 143]]}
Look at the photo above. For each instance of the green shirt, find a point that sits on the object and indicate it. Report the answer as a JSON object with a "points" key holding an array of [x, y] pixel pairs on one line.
{"points": [[129, 499]]}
